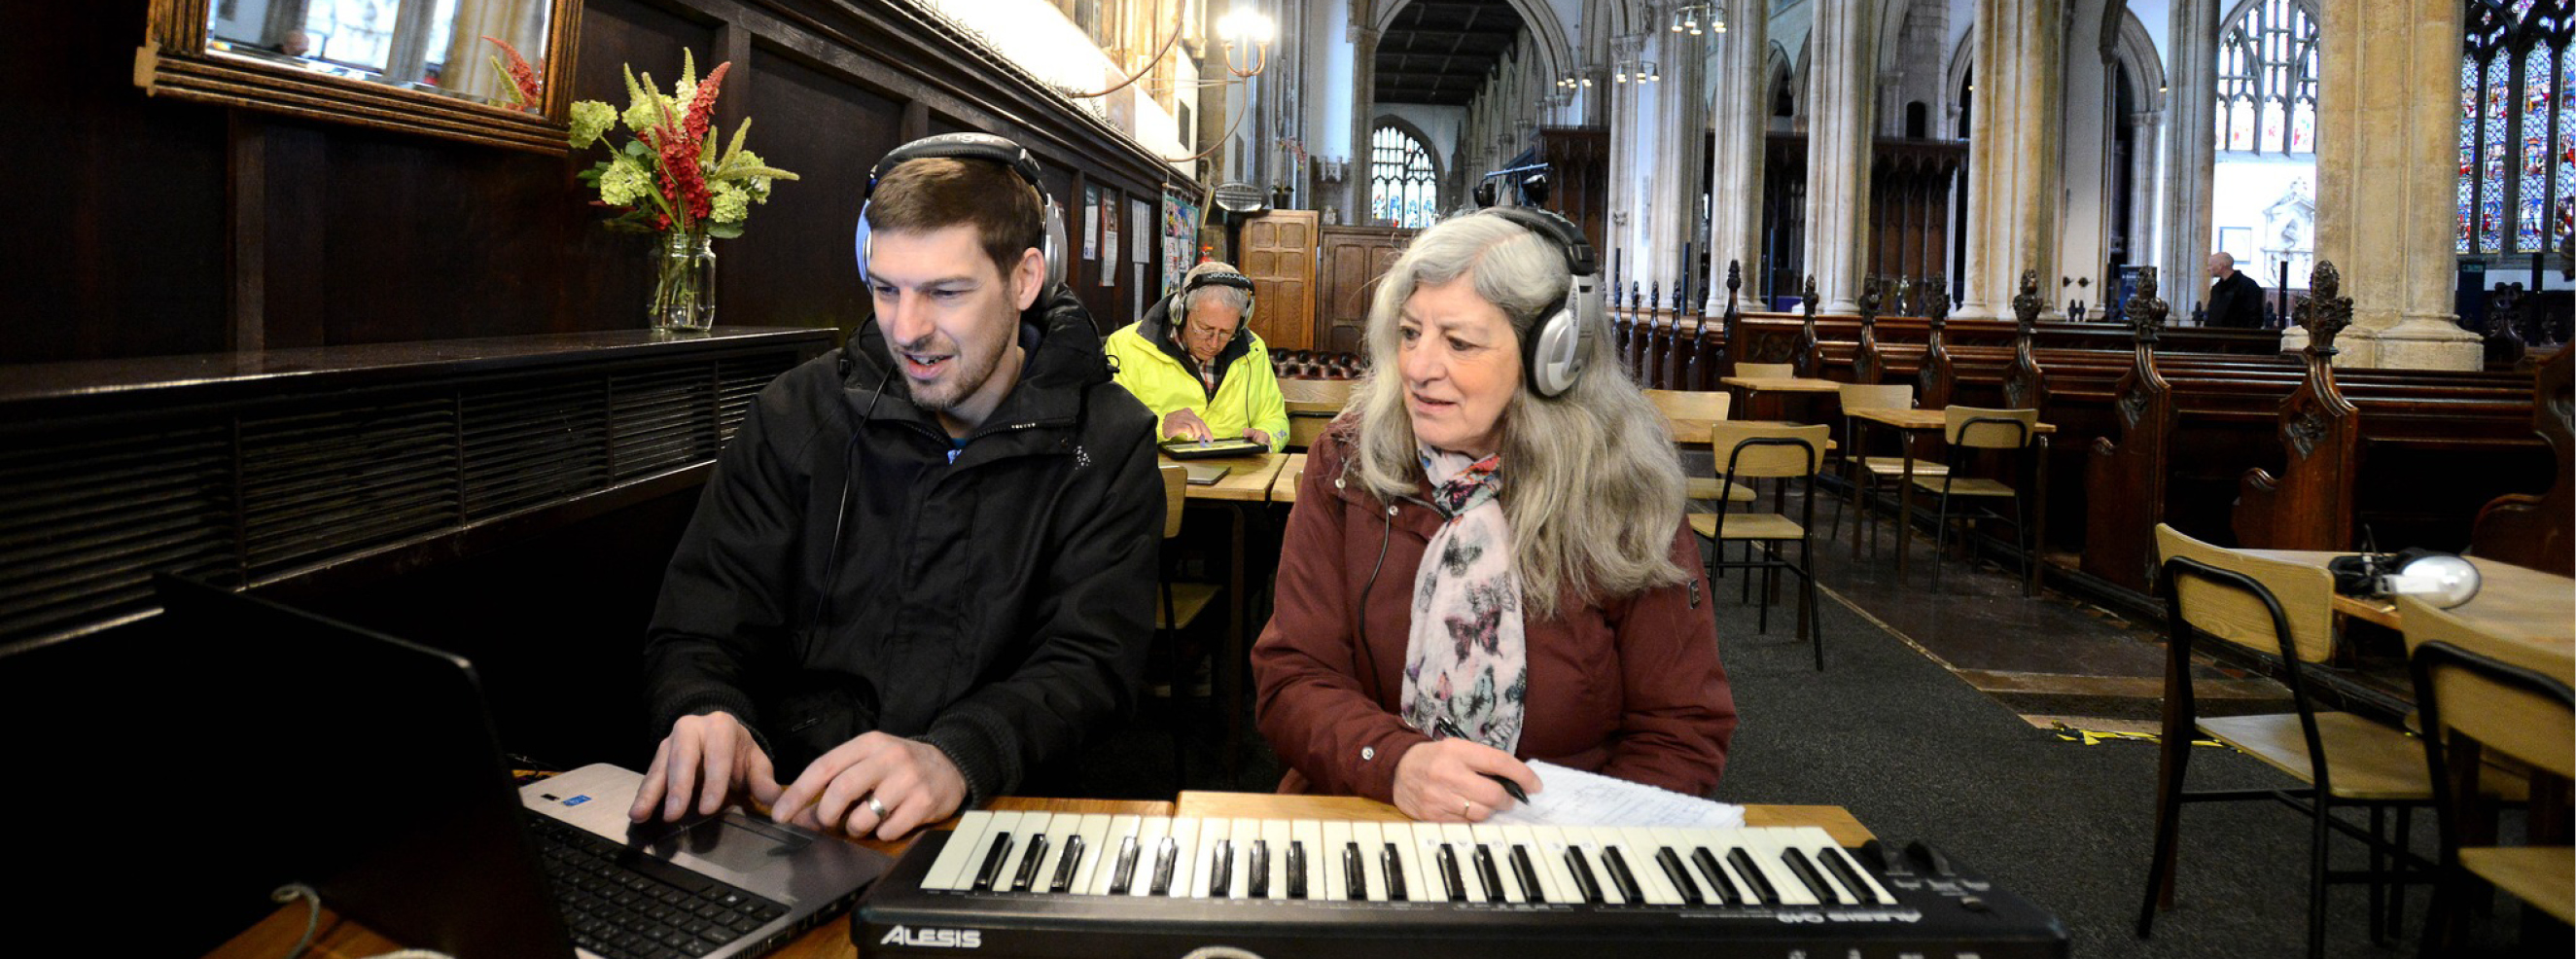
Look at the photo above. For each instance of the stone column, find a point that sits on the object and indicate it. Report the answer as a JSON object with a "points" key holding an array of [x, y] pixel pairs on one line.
{"points": [[1679, 118], [2013, 156], [1844, 45], [1742, 111], [2191, 153], [2388, 126], [2145, 235], [1355, 194]]}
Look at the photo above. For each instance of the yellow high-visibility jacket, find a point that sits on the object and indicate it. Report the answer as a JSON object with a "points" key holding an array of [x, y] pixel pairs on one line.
{"points": [[1247, 394]]}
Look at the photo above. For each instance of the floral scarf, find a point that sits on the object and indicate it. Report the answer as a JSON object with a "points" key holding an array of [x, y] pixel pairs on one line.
{"points": [[1465, 661]]}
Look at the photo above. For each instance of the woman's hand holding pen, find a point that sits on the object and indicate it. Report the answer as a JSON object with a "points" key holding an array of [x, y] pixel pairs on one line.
{"points": [[1458, 780]]}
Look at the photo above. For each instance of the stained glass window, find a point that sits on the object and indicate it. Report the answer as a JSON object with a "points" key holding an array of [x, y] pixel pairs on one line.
{"points": [[1403, 187], [2517, 130], [2267, 80]]}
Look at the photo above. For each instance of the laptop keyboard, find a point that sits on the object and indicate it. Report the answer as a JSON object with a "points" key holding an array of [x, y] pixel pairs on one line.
{"points": [[634, 907]]}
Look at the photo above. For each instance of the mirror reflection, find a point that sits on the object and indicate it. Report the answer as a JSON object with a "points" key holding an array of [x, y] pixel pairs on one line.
{"points": [[487, 51]]}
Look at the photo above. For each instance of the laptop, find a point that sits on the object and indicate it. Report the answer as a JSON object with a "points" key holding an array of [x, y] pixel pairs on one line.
{"points": [[378, 780]]}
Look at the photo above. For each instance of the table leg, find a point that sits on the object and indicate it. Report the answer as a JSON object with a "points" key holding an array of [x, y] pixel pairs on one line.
{"points": [[1905, 505], [1237, 650], [1856, 461], [2038, 521]]}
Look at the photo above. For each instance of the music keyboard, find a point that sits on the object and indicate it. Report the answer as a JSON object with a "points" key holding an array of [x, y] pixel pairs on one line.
{"points": [[1067, 885]]}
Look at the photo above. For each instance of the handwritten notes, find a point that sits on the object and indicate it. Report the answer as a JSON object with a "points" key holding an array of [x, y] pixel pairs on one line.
{"points": [[1573, 797]]}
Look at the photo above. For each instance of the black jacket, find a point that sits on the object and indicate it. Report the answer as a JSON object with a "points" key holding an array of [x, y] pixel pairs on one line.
{"points": [[2236, 301], [998, 607]]}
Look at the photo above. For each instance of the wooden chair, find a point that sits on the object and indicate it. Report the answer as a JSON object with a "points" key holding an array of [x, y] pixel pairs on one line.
{"points": [[1182, 604], [1757, 451], [1317, 404], [1766, 371], [1968, 429], [2469, 702], [1865, 471], [1688, 414], [2285, 610]]}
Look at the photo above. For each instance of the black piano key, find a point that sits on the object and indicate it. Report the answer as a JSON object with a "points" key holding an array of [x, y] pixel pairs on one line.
{"points": [[1447, 862], [1065, 867], [1805, 870], [1489, 874], [1257, 885], [1716, 876], [991, 872], [1762, 891], [1673, 870], [1839, 863], [1576, 863], [1621, 876], [1527, 873], [1221, 869], [1029, 863], [1125, 878], [1166, 858], [1297, 869], [1391, 862], [1354, 872]]}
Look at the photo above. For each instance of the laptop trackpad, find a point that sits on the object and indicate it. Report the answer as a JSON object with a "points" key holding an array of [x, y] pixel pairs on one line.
{"points": [[732, 841]]}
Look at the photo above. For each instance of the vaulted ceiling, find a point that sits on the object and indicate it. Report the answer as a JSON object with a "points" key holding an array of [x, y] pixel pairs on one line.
{"points": [[1438, 51]]}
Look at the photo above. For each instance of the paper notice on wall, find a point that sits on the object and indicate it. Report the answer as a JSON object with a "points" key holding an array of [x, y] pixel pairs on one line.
{"points": [[1090, 223]]}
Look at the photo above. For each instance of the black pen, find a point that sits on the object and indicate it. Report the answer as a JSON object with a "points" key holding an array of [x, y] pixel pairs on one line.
{"points": [[1444, 729]]}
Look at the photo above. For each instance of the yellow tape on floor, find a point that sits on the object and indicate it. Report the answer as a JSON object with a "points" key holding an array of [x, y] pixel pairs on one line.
{"points": [[2095, 737]]}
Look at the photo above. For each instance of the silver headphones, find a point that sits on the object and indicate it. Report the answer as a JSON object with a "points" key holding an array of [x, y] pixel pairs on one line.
{"points": [[969, 146], [1552, 354]]}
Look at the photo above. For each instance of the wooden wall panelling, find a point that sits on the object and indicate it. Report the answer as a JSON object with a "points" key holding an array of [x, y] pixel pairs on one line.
{"points": [[1279, 254], [794, 264], [1580, 184], [1349, 262]]}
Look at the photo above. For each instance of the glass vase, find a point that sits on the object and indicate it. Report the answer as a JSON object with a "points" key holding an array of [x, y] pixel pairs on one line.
{"points": [[684, 289]]}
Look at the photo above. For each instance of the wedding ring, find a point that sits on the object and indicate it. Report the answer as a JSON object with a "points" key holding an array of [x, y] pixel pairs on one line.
{"points": [[1466, 806], [876, 807]]}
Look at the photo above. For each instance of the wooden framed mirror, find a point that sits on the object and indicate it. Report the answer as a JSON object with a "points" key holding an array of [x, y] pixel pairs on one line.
{"points": [[420, 66]]}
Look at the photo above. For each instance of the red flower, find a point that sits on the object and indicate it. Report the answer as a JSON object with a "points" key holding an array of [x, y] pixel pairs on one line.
{"points": [[531, 91], [702, 110]]}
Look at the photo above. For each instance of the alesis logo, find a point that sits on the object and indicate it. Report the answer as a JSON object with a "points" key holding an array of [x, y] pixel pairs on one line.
{"points": [[935, 938]]}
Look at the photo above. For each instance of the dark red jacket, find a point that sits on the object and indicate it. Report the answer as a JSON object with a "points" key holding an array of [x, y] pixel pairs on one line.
{"points": [[1628, 687]]}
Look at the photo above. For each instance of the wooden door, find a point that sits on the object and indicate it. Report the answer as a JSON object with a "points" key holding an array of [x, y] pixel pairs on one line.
{"points": [[1279, 255], [1352, 259]]}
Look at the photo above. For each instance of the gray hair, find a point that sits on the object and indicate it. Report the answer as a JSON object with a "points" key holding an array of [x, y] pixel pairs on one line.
{"points": [[1226, 296], [1593, 490]]}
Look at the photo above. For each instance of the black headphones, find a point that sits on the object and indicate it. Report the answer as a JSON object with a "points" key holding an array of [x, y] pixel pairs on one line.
{"points": [[969, 146], [1227, 278], [1552, 351]]}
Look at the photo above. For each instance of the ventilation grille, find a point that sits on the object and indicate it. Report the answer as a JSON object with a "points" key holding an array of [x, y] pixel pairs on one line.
{"points": [[268, 488]]}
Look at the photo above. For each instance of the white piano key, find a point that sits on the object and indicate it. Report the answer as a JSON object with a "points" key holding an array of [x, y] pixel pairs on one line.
{"points": [[944, 871], [1764, 846], [1491, 838], [1105, 865], [1213, 834], [1023, 842], [1409, 853], [1244, 831], [1337, 838], [1096, 844], [1461, 841], [1149, 853], [1372, 842], [1310, 834], [1059, 833], [1637, 846], [1185, 831], [1585, 843], [1526, 838], [1275, 832], [1549, 857], [1679, 841]]}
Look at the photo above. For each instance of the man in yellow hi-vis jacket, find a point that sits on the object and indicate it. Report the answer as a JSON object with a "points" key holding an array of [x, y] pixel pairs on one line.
{"points": [[1195, 365]]}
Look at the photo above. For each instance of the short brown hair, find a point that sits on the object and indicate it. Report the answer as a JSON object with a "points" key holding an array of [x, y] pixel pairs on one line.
{"points": [[935, 193]]}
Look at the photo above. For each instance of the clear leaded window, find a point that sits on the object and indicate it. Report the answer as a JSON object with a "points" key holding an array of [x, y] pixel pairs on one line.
{"points": [[2267, 80], [2517, 132], [1402, 185]]}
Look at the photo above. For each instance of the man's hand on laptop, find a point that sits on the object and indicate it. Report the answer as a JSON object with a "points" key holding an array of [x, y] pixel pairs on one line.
{"points": [[877, 784], [703, 764]]}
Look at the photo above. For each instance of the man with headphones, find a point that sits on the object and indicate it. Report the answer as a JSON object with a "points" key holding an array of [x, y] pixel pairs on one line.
{"points": [[1193, 362], [923, 570]]}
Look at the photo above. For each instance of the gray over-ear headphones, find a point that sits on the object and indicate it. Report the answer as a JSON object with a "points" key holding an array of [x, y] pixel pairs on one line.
{"points": [[1552, 351], [1230, 278], [970, 146]]}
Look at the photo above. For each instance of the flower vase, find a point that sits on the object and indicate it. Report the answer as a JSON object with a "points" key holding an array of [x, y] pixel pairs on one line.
{"points": [[684, 291]]}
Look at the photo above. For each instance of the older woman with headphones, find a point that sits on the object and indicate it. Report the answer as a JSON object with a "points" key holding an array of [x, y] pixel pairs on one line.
{"points": [[1193, 362], [1488, 562]]}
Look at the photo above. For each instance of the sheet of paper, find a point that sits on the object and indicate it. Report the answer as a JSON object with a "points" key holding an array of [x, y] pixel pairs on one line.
{"points": [[1573, 797]]}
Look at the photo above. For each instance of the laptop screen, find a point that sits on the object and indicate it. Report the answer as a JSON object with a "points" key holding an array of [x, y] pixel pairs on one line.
{"points": [[366, 767]]}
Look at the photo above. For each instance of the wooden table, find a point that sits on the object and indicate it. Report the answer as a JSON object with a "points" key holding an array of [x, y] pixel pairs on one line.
{"points": [[1752, 387], [1908, 422], [1245, 486], [2525, 617], [342, 939]]}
